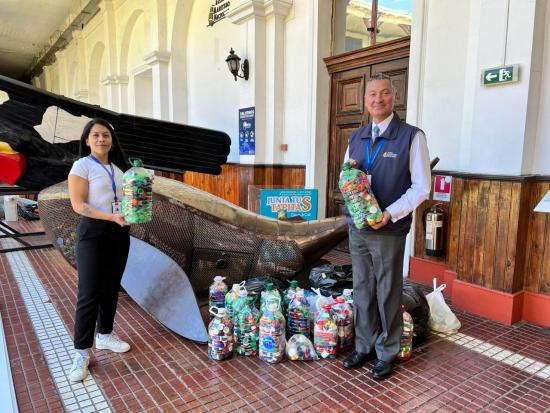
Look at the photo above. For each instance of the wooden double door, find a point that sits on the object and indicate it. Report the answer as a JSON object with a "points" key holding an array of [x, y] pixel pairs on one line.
{"points": [[348, 112]]}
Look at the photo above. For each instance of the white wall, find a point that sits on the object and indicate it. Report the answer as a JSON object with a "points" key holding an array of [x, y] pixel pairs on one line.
{"points": [[298, 47], [470, 127], [213, 95]]}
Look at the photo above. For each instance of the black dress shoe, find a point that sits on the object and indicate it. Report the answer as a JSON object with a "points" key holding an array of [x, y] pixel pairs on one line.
{"points": [[356, 359], [381, 370]]}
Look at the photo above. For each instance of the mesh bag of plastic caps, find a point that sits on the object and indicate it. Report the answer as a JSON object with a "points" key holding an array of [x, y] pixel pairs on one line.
{"points": [[300, 348], [358, 196]]}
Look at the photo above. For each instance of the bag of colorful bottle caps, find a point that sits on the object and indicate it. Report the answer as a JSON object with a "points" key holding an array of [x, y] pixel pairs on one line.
{"points": [[405, 350], [247, 329], [217, 292], [347, 295], [272, 333], [289, 294], [298, 316], [137, 194], [299, 347], [220, 335], [358, 196], [344, 320], [269, 293], [231, 296], [325, 333], [240, 303]]}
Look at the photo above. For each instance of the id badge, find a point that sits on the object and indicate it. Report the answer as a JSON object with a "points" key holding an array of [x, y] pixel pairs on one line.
{"points": [[369, 178], [116, 207]]}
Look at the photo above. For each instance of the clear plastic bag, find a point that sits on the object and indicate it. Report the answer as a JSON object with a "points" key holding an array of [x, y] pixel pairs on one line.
{"points": [[317, 301], [442, 319], [299, 347]]}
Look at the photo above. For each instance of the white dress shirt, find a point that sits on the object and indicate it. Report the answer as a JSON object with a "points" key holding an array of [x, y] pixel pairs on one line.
{"points": [[421, 175]]}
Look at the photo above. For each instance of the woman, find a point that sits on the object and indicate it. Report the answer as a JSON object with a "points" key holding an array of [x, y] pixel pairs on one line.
{"points": [[95, 190]]}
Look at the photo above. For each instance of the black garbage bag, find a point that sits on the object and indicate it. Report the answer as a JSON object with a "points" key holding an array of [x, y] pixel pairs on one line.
{"points": [[27, 209], [331, 279], [255, 286], [417, 306]]}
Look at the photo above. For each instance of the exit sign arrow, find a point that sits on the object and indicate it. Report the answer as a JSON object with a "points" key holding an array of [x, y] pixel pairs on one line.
{"points": [[491, 76]]}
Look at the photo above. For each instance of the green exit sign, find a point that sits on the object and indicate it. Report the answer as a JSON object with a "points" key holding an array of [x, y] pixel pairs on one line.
{"points": [[500, 75]]}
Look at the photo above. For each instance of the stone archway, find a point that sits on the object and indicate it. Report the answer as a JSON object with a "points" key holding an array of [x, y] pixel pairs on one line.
{"points": [[94, 73]]}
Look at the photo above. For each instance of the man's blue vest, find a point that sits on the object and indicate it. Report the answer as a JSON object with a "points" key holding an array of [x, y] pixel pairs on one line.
{"points": [[391, 175]]}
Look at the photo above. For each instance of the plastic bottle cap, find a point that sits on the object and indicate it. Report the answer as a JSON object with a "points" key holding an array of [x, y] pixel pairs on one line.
{"points": [[269, 287], [136, 162], [327, 307], [218, 311], [218, 278], [293, 284], [340, 300]]}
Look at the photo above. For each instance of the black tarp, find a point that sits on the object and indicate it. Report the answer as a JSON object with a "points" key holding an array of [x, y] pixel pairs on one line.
{"points": [[162, 145]]}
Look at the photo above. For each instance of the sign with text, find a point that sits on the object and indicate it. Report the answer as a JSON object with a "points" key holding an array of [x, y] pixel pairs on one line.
{"points": [[442, 188], [217, 11], [247, 131], [544, 204], [500, 75], [296, 202]]}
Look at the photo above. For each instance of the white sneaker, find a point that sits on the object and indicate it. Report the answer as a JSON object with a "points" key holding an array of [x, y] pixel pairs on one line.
{"points": [[79, 369], [111, 342]]}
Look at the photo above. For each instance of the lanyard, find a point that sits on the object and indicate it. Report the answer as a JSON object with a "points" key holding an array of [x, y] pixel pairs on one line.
{"points": [[111, 174], [369, 160]]}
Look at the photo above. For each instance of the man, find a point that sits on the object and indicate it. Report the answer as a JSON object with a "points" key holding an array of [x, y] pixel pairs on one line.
{"points": [[395, 156]]}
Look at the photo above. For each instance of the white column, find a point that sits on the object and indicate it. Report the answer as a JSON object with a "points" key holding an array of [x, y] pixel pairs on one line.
{"points": [[158, 61], [48, 78], [82, 93], [262, 43], [62, 72], [122, 84], [110, 41], [319, 100]]}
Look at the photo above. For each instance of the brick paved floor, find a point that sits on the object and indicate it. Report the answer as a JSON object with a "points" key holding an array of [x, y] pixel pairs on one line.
{"points": [[485, 367]]}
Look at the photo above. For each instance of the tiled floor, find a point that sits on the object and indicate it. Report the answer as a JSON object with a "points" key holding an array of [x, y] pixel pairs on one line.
{"points": [[485, 367]]}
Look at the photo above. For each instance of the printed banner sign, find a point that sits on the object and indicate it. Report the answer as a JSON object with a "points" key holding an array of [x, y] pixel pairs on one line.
{"points": [[247, 131], [296, 202], [442, 188]]}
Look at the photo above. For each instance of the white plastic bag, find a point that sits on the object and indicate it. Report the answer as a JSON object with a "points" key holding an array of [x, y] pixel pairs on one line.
{"points": [[299, 347], [442, 318]]}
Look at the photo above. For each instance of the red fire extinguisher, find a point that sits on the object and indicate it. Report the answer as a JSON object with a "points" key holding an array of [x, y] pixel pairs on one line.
{"points": [[434, 219]]}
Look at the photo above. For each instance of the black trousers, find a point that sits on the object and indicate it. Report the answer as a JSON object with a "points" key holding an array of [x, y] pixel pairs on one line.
{"points": [[101, 254]]}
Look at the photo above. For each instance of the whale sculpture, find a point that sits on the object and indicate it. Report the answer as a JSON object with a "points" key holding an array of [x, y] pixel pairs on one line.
{"points": [[40, 130], [193, 237]]}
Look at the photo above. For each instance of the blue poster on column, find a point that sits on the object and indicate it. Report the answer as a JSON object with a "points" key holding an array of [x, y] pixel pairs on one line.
{"points": [[301, 202], [247, 131]]}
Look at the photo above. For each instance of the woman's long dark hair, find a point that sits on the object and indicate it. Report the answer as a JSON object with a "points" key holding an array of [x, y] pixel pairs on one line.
{"points": [[116, 154]]}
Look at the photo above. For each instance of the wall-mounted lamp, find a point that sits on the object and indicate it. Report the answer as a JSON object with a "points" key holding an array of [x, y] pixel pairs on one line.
{"points": [[233, 63]]}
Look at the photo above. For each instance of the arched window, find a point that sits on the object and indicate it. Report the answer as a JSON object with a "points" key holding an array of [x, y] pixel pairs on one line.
{"points": [[363, 23]]}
